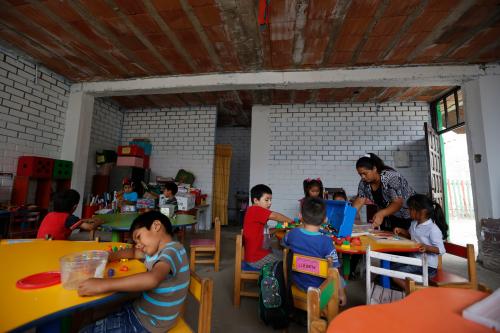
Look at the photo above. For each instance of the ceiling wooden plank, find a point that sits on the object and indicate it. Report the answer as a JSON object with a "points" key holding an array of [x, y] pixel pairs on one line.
{"points": [[378, 14], [301, 8], [111, 62], [214, 57], [100, 27], [441, 28], [339, 15], [477, 56], [240, 22], [402, 31], [471, 32], [151, 10], [168, 66], [43, 55]]}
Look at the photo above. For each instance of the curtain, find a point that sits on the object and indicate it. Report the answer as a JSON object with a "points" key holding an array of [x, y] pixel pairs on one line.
{"points": [[222, 170]]}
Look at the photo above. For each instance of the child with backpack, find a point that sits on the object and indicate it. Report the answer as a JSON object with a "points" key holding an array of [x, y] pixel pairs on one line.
{"points": [[310, 242]]}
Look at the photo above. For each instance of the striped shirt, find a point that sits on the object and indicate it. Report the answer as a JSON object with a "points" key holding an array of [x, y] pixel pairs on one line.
{"points": [[158, 309]]}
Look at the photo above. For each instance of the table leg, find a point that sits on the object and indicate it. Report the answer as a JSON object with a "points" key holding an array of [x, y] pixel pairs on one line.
{"points": [[346, 265], [115, 236], [386, 281]]}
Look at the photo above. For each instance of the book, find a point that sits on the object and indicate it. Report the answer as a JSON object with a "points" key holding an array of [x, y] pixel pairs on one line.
{"points": [[486, 311]]}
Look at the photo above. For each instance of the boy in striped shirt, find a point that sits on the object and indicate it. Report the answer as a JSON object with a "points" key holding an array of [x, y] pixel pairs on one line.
{"points": [[164, 285]]}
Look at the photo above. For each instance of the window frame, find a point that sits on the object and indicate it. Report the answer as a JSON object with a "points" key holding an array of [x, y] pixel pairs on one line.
{"points": [[434, 116]]}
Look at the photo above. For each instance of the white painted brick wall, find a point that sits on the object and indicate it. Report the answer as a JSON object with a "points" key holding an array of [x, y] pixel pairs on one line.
{"points": [[106, 133], [31, 115], [325, 140], [182, 138], [239, 138]]}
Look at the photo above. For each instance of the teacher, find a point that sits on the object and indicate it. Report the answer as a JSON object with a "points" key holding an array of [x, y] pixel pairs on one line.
{"points": [[387, 189]]}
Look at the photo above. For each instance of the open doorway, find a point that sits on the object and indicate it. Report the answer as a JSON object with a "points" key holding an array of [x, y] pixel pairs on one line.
{"points": [[449, 122]]}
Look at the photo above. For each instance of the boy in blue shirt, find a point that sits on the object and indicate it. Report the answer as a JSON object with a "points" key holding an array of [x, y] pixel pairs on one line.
{"points": [[309, 241]]}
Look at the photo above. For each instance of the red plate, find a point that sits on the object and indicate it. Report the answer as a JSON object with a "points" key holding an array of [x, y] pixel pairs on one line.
{"points": [[39, 280]]}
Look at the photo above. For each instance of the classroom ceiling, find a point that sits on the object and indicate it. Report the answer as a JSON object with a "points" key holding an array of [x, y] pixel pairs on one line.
{"points": [[88, 40]]}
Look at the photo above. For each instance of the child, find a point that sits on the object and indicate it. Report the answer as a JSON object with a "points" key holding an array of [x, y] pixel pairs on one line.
{"points": [[313, 188], [254, 225], [428, 228], [309, 241], [169, 193], [59, 224], [340, 196], [163, 287], [129, 196]]}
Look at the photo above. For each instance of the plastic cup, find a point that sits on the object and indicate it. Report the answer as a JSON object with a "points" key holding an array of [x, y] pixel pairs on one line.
{"points": [[77, 267]]}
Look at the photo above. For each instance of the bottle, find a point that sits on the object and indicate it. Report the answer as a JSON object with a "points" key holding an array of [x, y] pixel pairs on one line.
{"points": [[114, 203]]}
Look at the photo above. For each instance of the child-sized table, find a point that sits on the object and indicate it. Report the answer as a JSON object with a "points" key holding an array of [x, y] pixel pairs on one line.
{"points": [[22, 309]]}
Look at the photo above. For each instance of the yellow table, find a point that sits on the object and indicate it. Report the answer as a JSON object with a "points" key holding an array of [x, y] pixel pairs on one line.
{"points": [[26, 308]]}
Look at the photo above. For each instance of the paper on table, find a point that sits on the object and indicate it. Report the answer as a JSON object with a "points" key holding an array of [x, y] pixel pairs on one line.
{"points": [[485, 312]]}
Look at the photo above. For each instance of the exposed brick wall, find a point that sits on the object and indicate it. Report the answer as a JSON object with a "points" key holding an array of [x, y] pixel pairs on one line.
{"points": [[239, 139], [32, 114], [107, 122], [182, 138], [325, 140]]}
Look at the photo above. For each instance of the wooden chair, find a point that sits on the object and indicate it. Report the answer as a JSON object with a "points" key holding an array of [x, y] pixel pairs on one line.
{"points": [[202, 290], [376, 294], [242, 273], [318, 302], [448, 279], [206, 247], [23, 224]]}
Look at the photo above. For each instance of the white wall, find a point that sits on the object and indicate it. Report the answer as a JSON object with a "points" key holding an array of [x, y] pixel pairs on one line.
{"points": [[239, 139], [182, 138], [106, 133], [32, 114], [294, 142]]}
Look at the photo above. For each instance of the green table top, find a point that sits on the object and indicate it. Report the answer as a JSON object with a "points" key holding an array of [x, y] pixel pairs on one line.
{"points": [[123, 221]]}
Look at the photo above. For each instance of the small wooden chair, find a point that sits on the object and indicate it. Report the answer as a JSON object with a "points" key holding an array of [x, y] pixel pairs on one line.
{"points": [[23, 224], [206, 247], [243, 273], [202, 290], [318, 302], [376, 294], [448, 279]]}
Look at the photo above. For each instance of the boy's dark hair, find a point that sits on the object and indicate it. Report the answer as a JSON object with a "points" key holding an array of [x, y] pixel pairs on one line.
{"points": [[146, 220], [339, 194], [420, 202], [172, 187], [65, 201], [313, 211], [258, 191], [370, 161]]}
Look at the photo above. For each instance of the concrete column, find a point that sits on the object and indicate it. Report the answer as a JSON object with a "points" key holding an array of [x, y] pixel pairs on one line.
{"points": [[77, 137], [482, 113], [260, 145]]}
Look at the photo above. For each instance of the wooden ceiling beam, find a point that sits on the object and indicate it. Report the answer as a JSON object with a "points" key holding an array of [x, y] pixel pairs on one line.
{"points": [[299, 42], [378, 14], [471, 33], [441, 28], [243, 33], [81, 37], [401, 32], [57, 40], [168, 66], [214, 57], [339, 14], [78, 7], [151, 10]]}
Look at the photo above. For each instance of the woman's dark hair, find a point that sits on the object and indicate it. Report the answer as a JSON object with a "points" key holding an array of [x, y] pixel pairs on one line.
{"points": [[313, 211], [146, 220], [308, 183], [434, 211], [370, 160], [65, 201]]}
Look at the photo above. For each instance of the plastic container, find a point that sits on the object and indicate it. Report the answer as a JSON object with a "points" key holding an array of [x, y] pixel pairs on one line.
{"points": [[35, 167], [144, 144], [77, 267], [340, 216]]}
